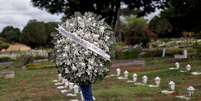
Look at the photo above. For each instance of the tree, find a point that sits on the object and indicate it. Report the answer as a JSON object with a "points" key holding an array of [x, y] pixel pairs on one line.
{"points": [[135, 31], [37, 34], [50, 28], [34, 34], [11, 34], [107, 8], [161, 26], [183, 15]]}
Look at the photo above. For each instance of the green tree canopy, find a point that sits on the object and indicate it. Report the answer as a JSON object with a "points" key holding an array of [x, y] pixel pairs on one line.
{"points": [[107, 8], [37, 33], [50, 28], [183, 15], [135, 31], [11, 34], [161, 26]]}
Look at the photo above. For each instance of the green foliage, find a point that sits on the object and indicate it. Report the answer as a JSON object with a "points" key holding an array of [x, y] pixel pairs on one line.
{"points": [[161, 26], [152, 52], [11, 34], [34, 34], [128, 54], [5, 59], [135, 31], [37, 34], [4, 46], [120, 45], [197, 46], [107, 8], [50, 28], [183, 15]]}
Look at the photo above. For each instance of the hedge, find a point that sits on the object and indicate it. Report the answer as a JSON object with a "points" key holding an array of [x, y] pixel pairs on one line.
{"points": [[128, 53], [6, 59], [40, 65]]}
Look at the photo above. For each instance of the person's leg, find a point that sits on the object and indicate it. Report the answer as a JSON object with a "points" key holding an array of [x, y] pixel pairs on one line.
{"points": [[87, 92]]}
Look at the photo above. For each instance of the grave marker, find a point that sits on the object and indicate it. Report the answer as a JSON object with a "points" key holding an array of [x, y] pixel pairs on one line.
{"points": [[126, 74], [144, 79], [118, 70], [188, 67], [157, 81], [172, 85], [190, 91], [134, 77], [163, 53]]}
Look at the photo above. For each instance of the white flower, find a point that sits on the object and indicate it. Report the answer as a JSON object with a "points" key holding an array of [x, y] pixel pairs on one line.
{"points": [[102, 29], [82, 64], [74, 68]]}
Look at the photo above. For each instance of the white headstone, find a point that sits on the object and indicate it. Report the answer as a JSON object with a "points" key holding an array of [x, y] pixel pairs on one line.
{"points": [[190, 90], [144, 79], [126, 74], [135, 77], [177, 65], [118, 71], [157, 81], [188, 67], [59, 77], [185, 53], [172, 85], [164, 51]]}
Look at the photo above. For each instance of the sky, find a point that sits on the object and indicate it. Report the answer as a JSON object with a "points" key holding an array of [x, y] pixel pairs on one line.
{"points": [[18, 12]]}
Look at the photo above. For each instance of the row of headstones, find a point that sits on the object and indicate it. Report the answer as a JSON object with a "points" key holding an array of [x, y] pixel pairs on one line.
{"points": [[188, 68], [68, 88], [177, 56], [172, 85]]}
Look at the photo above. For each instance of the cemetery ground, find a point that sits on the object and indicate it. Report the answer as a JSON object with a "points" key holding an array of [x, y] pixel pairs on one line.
{"points": [[37, 85]]}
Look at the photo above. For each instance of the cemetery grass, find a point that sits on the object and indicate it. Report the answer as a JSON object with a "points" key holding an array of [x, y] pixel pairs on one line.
{"points": [[36, 85]]}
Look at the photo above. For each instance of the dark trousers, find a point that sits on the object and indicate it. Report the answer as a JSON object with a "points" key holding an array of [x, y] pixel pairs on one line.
{"points": [[87, 92]]}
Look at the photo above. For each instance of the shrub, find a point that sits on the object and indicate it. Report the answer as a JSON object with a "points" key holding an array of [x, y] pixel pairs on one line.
{"points": [[197, 47], [152, 52], [4, 46], [135, 31], [41, 65], [40, 57], [173, 51], [128, 53], [5, 59], [11, 34]]}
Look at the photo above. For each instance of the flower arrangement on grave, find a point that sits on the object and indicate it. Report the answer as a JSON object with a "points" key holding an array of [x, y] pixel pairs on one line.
{"points": [[83, 48]]}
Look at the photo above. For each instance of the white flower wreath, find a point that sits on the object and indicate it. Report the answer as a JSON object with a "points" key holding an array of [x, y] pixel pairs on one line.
{"points": [[76, 63]]}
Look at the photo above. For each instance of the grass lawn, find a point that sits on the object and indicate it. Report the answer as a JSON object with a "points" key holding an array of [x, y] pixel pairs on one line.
{"points": [[36, 85]]}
